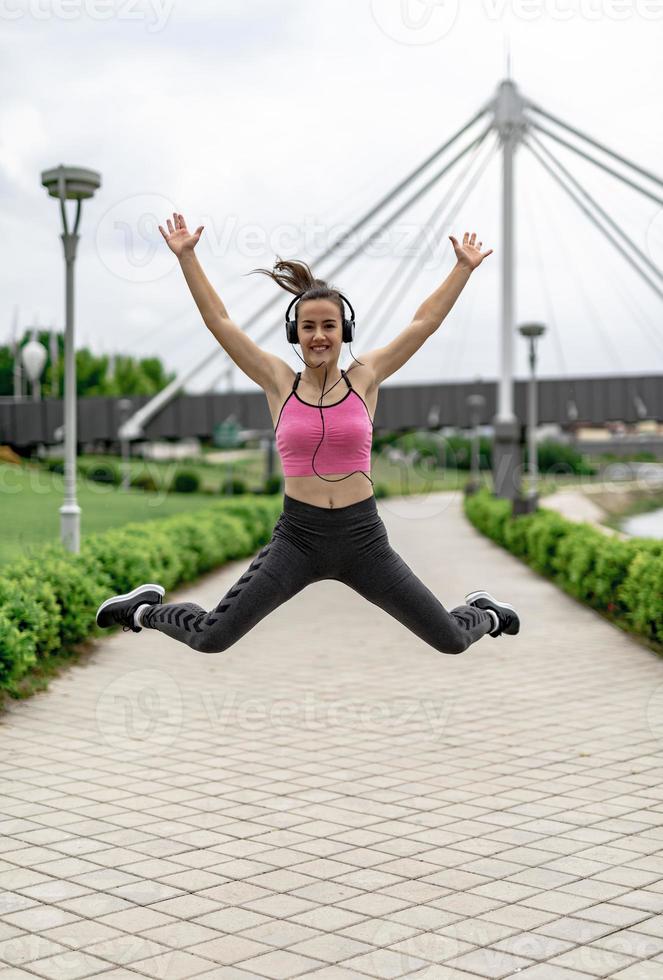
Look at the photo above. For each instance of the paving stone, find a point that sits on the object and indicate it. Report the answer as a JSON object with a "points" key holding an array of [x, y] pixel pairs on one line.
{"points": [[593, 960], [371, 809], [489, 962]]}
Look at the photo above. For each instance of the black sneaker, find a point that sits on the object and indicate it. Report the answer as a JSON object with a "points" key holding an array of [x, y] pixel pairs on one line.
{"points": [[120, 609], [507, 615]]}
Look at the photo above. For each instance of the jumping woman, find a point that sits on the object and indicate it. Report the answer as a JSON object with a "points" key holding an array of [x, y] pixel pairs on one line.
{"points": [[329, 527]]}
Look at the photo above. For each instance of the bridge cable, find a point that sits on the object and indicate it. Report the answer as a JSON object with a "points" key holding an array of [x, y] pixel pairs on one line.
{"points": [[580, 285], [613, 224], [586, 211], [601, 146], [394, 279], [459, 338], [597, 163]]}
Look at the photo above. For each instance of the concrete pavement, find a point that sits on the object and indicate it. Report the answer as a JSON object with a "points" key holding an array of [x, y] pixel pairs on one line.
{"points": [[333, 799]]}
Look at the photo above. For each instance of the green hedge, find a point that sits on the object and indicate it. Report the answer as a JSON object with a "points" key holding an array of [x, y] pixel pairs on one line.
{"points": [[48, 602], [621, 578], [455, 452]]}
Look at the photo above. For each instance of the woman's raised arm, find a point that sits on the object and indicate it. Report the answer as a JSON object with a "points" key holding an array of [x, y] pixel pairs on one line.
{"points": [[261, 366]]}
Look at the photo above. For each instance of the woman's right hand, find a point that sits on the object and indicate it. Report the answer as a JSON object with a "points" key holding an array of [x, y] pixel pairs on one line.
{"points": [[180, 239]]}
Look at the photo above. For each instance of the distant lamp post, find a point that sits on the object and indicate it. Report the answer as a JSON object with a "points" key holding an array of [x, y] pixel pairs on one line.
{"points": [[532, 332], [34, 356], [53, 347], [475, 403], [124, 406], [572, 416], [70, 184]]}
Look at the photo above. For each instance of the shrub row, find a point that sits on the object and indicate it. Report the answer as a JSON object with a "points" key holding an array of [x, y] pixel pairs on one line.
{"points": [[622, 578], [48, 602], [455, 452], [183, 481]]}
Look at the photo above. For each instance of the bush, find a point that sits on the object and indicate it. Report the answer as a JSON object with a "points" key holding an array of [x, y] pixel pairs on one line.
{"points": [[273, 484], [382, 439], [641, 592], [623, 579], [381, 490], [48, 603], [233, 486], [78, 590], [100, 472], [143, 481], [185, 481], [557, 457]]}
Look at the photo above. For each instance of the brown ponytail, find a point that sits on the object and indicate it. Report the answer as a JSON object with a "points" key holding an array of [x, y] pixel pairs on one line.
{"points": [[296, 277]]}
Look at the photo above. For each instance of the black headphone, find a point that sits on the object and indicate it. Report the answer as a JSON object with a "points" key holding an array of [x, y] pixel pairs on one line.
{"points": [[348, 325]]}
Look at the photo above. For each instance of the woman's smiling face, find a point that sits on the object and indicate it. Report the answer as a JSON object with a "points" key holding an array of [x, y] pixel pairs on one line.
{"points": [[319, 327]]}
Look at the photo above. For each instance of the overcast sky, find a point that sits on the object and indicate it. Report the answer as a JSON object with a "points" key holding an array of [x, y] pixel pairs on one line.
{"points": [[275, 124]]}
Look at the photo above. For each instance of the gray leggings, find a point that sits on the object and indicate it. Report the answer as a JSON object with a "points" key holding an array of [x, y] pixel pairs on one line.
{"points": [[310, 544]]}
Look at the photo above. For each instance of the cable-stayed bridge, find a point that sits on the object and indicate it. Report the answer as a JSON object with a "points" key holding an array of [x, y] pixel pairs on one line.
{"points": [[506, 122]]}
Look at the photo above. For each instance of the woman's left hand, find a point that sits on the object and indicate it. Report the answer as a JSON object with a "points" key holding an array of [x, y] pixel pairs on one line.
{"points": [[469, 254]]}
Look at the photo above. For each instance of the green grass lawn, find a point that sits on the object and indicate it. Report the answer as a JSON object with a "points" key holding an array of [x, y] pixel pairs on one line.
{"points": [[30, 499]]}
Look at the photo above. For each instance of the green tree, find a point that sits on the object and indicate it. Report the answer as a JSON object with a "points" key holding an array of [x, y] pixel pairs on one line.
{"points": [[131, 376]]}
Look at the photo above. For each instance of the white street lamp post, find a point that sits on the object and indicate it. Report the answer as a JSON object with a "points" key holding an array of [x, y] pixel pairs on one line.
{"points": [[532, 331], [74, 184]]}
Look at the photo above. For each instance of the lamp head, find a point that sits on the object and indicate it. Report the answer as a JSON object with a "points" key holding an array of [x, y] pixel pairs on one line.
{"points": [[78, 183], [531, 329]]}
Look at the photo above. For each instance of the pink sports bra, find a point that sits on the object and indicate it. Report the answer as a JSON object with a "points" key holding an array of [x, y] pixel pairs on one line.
{"points": [[348, 434]]}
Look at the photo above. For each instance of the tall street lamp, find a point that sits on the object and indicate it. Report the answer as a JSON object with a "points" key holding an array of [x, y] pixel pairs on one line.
{"points": [[532, 332], [70, 184]]}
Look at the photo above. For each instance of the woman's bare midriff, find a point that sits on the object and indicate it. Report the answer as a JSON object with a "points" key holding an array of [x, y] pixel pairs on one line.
{"points": [[312, 489]]}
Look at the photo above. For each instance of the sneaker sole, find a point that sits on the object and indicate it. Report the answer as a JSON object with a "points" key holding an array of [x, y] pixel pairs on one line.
{"points": [[486, 595], [148, 587]]}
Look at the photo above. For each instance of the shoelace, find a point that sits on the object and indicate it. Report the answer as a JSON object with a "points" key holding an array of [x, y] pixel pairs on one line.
{"points": [[130, 615]]}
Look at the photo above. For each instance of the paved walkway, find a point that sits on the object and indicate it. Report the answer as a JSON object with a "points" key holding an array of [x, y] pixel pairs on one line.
{"points": [[333, 799]]}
